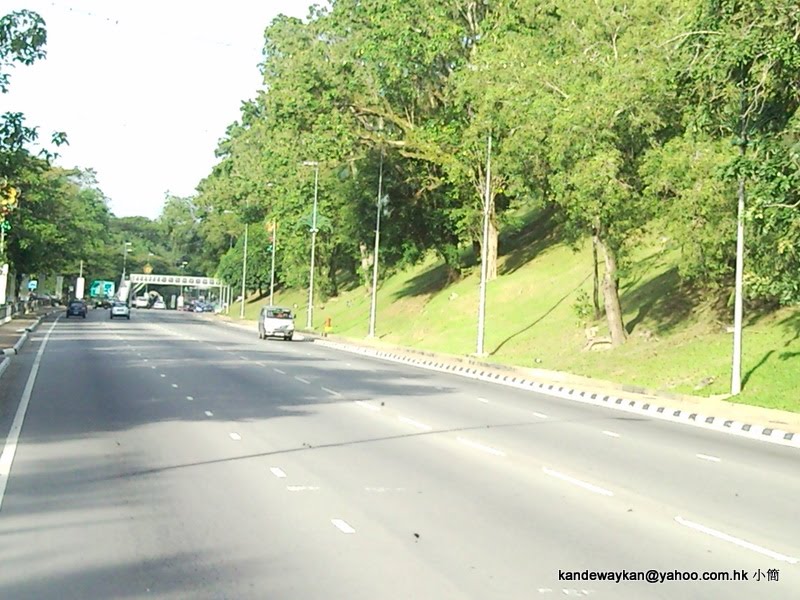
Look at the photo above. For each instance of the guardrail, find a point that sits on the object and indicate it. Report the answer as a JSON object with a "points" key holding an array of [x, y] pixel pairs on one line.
{"points": [[11, 309]]}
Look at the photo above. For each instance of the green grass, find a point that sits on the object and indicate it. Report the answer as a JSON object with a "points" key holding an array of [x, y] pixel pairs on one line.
{"points": [[676, 341]]}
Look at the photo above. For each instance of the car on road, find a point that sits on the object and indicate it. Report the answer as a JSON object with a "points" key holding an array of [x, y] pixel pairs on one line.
{"points": [[121, 310], [76, 308], [159, 304], [275, 321], [140, 302]]}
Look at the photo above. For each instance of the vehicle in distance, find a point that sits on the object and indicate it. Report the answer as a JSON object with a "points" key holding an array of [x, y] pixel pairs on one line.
{"points": [[159, 304], [140, 302], [76, 308], [274, 321], [120, 309]]}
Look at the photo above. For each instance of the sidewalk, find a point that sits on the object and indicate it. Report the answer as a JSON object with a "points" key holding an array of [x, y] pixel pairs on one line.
{"points": [[15, 329]]}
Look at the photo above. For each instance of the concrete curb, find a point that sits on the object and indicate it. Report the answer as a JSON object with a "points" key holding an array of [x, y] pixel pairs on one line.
{"points": [[656, 410], [4, 365]]}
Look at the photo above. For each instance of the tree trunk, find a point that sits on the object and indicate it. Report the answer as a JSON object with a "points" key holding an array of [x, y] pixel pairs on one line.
{"points": [[332, 263], [611, 295], [596, 280]]}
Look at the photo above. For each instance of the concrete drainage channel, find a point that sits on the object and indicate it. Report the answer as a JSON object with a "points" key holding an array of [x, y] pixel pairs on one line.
{"points": [[767, 434]]}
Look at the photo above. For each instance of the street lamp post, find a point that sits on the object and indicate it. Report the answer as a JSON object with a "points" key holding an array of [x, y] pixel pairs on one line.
{"points": [[374, 302], [272, 268], [244, 269], [310, 321], [484, 251]]}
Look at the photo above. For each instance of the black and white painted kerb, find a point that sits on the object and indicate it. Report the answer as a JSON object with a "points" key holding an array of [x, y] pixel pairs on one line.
{"points": [[767, 434]]}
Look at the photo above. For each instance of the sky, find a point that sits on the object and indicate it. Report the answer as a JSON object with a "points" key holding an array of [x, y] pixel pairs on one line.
{"points": [[144, 89]]}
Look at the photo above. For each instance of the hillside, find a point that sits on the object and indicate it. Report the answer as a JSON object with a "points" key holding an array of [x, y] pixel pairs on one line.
{"points": [[676, 342]]}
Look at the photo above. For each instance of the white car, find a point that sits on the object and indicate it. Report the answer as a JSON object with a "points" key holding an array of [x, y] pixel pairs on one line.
{"points": [[140, 302], [275, 321], [120, 309], [159, 304]]}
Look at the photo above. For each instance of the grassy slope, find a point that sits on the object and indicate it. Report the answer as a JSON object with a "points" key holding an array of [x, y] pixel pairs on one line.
{"points": [[531, 322]]}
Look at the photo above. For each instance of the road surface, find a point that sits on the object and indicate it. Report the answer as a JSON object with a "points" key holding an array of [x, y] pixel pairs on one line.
{"points": [[173, 457]]}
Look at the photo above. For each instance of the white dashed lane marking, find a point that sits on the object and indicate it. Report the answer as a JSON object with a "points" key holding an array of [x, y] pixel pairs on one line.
{"points": [[610, 434], [278, 472], [235, 436], [416, 424], [189, 398], [342, 526], [484, 400], [540, 415], [481, 447], [734, 540], [175, 385], [279, 371], [301, 380], [367, 406], [332, 392], [209, 413], [583, 484], [708, 457]]}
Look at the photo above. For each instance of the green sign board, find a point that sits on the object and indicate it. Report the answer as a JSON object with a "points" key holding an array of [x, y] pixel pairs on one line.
{"points": [[100, 289]]}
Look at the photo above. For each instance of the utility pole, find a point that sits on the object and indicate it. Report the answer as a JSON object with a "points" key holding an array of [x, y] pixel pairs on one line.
{"points": [[272, 268], [244, 270], [738, 305], [373, 309], [310, 321], [484, 250]]}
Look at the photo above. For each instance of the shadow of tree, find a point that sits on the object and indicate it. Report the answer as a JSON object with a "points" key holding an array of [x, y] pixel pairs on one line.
{"points": [[428, 282], [540, 318], [521, 246], [792, 323], [662, 299]]}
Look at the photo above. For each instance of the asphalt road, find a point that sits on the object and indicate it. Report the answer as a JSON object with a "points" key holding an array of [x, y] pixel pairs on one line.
{"points": [[172, 457]]}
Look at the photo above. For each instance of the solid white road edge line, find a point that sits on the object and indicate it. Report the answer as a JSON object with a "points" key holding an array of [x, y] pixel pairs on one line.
{"points": [[587, 486], [734, 540], [278, 472], [416, 424], [708, 457], [481, 447], [342, 526], [10, 447]]}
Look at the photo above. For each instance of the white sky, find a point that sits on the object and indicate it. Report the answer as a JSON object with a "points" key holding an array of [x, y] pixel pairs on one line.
{"points": [[144, 89]]}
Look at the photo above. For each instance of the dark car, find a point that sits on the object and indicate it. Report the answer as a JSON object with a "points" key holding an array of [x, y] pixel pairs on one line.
{"points": [[76, 308]]}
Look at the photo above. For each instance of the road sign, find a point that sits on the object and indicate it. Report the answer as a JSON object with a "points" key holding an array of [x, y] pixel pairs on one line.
{"points": [[32, 285], [100, 288]]}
